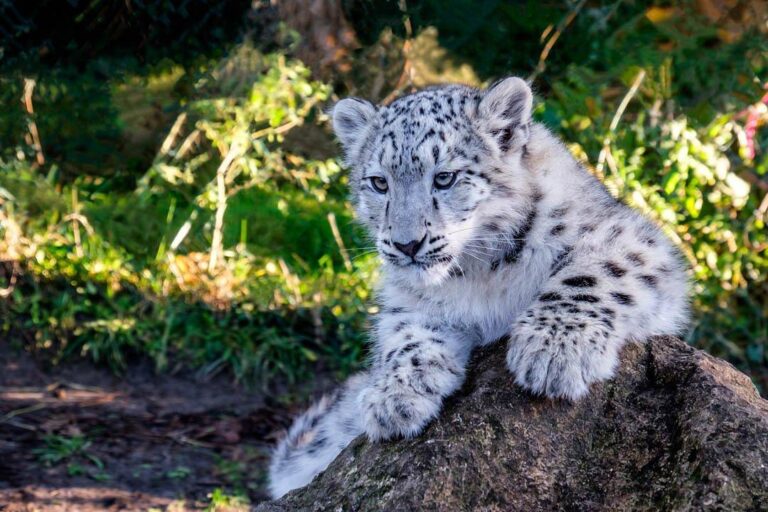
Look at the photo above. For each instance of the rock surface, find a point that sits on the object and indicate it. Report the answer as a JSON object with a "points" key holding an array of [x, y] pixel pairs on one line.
{"points": [[676, 429]]}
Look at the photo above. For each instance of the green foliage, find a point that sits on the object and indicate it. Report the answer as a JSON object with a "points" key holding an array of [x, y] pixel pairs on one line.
{"points": [[179, 473], [60, 448], [107, 273], [175, 218], [57, 449], [221, 502]]}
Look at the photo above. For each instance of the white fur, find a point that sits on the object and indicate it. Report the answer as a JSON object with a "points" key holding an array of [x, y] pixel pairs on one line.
{"points": [[526, 244]]}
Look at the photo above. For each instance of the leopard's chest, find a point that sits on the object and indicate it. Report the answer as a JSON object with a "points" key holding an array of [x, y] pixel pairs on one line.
{"points": [[491, 298]]}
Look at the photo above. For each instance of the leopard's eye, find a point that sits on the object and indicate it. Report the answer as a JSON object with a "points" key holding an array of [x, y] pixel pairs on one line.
{"points": [[379, 184], [444, 180]]}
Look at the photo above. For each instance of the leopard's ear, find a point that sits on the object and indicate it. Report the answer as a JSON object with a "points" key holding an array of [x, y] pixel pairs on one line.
{"points": [[351, 118], [504, 112]]}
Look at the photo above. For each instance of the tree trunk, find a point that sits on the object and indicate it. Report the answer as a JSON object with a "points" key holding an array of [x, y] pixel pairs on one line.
{"points": [[676, 429]]}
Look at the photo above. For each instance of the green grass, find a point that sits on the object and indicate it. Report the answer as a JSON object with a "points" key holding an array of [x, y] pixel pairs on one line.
{"points": [[74, 450], [221, 501], [101, 278], [60, 448]]}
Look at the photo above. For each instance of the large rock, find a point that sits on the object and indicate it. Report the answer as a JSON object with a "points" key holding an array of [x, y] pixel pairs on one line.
{"points": [[676, 429]]}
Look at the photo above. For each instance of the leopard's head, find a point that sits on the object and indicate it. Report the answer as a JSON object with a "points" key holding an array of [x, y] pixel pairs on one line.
{"points": [[434, 171]]}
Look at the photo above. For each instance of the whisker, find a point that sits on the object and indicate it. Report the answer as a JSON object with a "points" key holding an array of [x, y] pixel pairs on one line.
{"points": [[358, 256], [460, 230], [480, 248], [494, 237], [480, 257], [470, 253]]}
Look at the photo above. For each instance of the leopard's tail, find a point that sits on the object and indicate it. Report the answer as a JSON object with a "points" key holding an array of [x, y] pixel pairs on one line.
{"points": [[316, 438]]}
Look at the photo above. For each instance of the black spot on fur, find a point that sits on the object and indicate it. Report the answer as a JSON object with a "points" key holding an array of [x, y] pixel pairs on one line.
{"points": [[561, 261], [519, 237], [648, 280], [558, 213], [399, 327], [614, 233], [580, 281], [436, 250], [613, 269], [557, 229], [635, 259], [434, 203], [623, 298], [585, 298], [505, 139], [550, 296]]}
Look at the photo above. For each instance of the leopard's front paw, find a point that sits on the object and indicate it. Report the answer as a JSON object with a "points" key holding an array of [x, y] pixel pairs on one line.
{"points": [[395, 413], [561, 362]]}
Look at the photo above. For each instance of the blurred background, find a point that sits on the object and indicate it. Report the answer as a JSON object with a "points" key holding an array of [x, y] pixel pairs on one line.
{"points": [[179, 263]]}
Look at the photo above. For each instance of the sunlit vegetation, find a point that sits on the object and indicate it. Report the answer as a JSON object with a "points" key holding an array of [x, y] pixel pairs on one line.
{"points": [[222, 254], [193, 210]]}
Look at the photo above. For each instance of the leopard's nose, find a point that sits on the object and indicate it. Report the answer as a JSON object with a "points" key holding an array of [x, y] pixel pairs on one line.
{"points": [[411, 248]]}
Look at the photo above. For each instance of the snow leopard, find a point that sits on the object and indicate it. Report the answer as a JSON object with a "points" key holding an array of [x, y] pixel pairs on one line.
{"points": [[488, 229]]}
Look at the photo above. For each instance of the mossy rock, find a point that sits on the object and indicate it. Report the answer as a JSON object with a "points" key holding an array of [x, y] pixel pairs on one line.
{"points": [[676, 429]]}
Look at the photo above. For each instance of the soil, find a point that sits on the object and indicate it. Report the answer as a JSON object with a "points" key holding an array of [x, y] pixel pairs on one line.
{"points": [[142, 440]]}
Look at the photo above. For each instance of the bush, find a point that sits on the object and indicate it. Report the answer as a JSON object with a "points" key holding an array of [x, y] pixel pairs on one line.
{"points": [[224, 255], [191, 209]]}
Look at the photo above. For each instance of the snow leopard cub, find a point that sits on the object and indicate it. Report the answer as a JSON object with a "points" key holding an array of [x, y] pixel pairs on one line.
{"points": [[488, 229]]}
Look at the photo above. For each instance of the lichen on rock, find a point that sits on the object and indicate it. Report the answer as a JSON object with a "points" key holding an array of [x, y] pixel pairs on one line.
{"points": [[676, 429]]}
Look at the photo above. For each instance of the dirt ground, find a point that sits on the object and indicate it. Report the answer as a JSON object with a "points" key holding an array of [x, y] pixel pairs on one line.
{"points": [[80, 438]]}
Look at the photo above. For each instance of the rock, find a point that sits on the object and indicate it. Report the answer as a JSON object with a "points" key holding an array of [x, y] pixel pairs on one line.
{"points": [[676, 429]]}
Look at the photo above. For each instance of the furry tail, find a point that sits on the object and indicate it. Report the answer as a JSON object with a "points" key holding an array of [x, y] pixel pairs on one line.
{"points": [[316, 438]]}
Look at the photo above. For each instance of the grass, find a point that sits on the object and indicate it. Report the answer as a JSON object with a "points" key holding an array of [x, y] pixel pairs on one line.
{"points": [[109, 273], [73, 450], [60, 448], [223, 502]]}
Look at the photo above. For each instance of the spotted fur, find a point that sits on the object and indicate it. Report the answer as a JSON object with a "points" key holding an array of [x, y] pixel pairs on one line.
{"points": [[522, 244]]}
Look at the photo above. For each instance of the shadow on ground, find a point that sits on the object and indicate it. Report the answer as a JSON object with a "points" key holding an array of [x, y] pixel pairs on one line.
{"points": [[141, 440]]}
